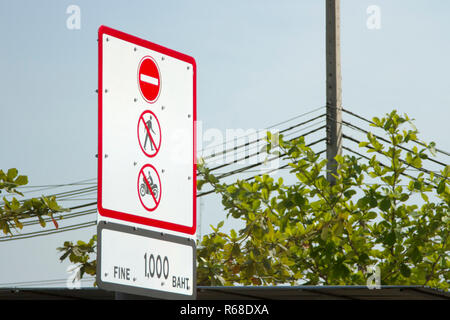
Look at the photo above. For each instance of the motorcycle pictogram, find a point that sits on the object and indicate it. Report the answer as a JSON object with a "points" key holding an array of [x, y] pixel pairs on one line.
{"points": [[153, 186]]}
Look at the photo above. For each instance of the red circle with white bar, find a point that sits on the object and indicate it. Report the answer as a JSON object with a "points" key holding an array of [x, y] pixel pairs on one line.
{"points": [[149, 79], [149, 188], [149, 133]]}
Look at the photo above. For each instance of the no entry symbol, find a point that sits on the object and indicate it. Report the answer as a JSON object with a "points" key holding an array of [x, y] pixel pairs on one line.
{"points": [[149, 133], [149, 187], [149, 79]]}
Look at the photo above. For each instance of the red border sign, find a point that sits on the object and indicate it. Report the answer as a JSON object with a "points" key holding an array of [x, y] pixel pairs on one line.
{"points": [[121, 215]]}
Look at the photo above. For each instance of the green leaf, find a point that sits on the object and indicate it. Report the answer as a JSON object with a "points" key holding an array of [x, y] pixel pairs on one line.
{"points": [[415, 255], [385, 204], [441, 187], [363, 144], [200, 184], [349, 193], [299, 200], [405, 270], [265, 194], [424, 197], [390, 239], [255, 204], [12, 173], [236, 250], [362, 203], [324, 233], [21, 180], [371, 215]]}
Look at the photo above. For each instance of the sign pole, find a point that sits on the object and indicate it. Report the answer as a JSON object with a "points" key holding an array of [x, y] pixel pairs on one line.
{"points": [[334, 87]]}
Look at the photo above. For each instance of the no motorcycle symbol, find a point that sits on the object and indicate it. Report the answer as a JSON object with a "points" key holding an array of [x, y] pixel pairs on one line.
{"points": [[149, 187]]}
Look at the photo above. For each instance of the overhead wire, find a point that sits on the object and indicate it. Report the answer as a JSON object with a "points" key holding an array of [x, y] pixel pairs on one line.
{"points": [[259, 152], [382, 164], [403, 161], [347, 124], [267, 128], [70, 208], [58, 195], [86, 278], [48, 232], [63, 217], [234, 148], [371, 122], [257, 145], [233, 172]]}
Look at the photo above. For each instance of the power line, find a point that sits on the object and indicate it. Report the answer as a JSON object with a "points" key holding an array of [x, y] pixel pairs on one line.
{"points": [[257, 153], [261, 162], [63, 217], [381, 164], [54, 186], [352, 126], [71, 208], [272, 126], [224, 152], [371, 122], [63, 194], [43, 282], [230, 173], [253, 177], [258, 140], [48, 232], [403, 161]]}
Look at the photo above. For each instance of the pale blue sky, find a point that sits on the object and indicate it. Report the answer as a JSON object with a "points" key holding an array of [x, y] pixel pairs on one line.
{"points": [[259, 63]]}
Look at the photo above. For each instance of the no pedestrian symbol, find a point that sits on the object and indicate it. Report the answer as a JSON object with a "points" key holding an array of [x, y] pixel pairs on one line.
{"points": [[149, 79], [149, 187], [149, 133]]}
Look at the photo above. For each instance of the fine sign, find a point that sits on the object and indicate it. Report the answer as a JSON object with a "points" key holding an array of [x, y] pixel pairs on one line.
{"points": [[144, 262], [147, 114]]}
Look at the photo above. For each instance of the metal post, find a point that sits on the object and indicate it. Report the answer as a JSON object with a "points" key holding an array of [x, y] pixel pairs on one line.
{"points": [[334, 87]]}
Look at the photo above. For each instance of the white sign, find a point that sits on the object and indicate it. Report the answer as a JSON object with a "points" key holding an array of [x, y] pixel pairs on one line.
{"points": [[147, 114], [145, 262]]}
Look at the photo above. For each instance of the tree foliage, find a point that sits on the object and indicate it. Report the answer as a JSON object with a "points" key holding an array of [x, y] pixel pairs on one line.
{"points": [[311, 232], [14, 211], [81, 254]]}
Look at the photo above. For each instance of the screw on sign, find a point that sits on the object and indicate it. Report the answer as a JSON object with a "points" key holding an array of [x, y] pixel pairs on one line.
{"points": [[149, 133], [149, 187], [149, 79]]}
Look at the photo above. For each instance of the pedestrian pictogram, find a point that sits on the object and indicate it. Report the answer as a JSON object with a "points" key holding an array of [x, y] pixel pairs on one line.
{"points": [[149, 79], [149, 187], [149, 133]]}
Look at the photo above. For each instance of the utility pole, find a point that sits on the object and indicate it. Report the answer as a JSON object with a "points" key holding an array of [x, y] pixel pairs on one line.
{"points": [[334, 87]]}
